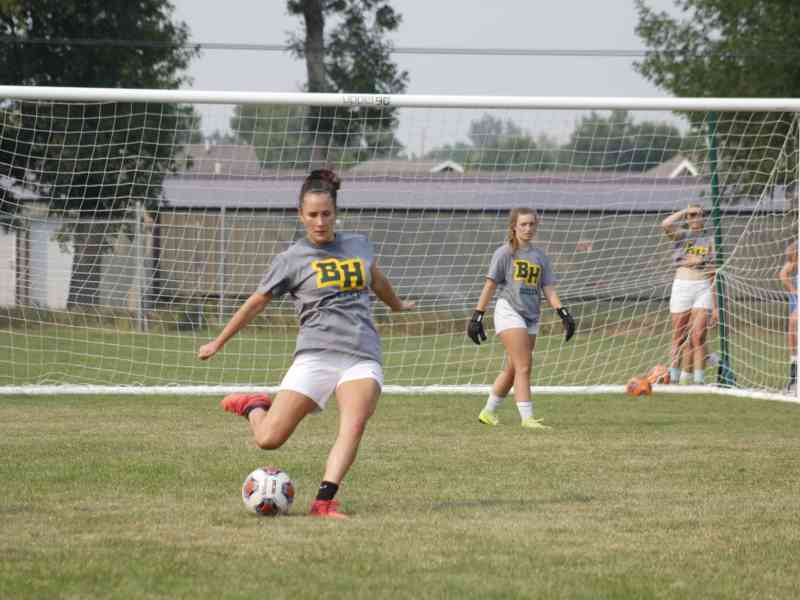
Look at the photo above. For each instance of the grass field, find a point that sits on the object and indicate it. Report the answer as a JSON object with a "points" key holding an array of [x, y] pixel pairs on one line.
{"points": [[57, 354], [666, 497]]}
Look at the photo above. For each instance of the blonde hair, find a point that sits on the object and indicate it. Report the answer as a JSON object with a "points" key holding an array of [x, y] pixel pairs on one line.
{"points": [[513, 216], [697, 207]]}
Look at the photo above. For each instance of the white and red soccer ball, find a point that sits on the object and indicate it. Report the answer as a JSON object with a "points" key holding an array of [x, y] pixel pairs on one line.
{"points": [[268, 491]]}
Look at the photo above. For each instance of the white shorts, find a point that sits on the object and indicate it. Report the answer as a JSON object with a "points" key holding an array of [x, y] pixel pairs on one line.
{"points": [[317, 374], [505, 317], [688, 294]]}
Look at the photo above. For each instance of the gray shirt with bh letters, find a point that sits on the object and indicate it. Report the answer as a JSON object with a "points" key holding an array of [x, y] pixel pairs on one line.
{"points": [[330, 285]]}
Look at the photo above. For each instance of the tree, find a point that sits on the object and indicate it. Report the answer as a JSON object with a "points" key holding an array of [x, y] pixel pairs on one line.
{"points": [[496, 145], [13, 140], [613, 142], [489, 131], [730, 48], [94, 160], [276, 132], [355, 56], [279, 135], [460, 152], [618, 143]]}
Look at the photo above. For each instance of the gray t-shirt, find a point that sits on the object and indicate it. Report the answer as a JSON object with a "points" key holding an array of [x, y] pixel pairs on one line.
{"points": [[330, 288], [688, 243], [520, 278]]}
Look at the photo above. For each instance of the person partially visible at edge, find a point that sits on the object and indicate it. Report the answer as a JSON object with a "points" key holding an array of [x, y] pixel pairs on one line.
{"points": [[788, 276], [338, 351]]}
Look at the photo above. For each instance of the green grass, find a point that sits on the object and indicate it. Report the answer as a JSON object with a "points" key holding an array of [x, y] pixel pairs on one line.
{"points": [[666, 497], [614, 342], [42, 354]]}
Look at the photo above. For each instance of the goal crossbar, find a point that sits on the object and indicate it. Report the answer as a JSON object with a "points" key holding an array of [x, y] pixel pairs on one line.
{"points": [[88, 94]]}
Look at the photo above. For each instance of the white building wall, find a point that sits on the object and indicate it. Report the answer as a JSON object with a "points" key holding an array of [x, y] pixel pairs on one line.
{"points": [[8, 257], [50, 266]]}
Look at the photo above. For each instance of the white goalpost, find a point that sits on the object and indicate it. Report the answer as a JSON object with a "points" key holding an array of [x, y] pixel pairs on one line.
{"points": [[129, 233]]}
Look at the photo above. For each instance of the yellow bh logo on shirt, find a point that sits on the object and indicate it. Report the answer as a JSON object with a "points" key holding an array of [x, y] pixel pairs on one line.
{"points": [[347, 274], [690, 248], [527, 272]]}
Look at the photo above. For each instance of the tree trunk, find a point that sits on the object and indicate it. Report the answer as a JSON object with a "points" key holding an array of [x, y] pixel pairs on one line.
{"points": [[90, 244], [315, 46], [315, 68]]}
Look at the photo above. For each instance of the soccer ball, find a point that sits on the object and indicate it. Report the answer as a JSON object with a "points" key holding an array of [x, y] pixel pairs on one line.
{"points": [[638, 386], [268, 491]]}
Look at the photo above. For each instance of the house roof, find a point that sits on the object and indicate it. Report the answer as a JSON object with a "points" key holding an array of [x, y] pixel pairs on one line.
{"points": [[463, 193], [677, 166], [403, 167], [222, 160], [406, 184], [224, 175]]}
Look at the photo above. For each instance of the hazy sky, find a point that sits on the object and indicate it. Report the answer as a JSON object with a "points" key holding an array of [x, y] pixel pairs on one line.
{"points": [[527, 24]]}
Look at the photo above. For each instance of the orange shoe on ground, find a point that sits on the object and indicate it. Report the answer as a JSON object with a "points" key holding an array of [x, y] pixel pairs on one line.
{"points": [[327, 508], [241, 404]]}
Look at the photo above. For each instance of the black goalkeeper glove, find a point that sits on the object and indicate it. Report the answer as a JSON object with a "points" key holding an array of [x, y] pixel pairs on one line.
{"points": [[568, 322], [475, 328]]}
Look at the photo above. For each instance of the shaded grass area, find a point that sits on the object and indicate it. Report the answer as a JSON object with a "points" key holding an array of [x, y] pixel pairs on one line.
{"points": [[666, 497]]}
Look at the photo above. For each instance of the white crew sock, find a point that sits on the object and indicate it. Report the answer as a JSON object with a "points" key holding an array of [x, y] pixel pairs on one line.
{"points": [[686, 377], [674, 374], [493, 402], [699, 376], [525, 409]]}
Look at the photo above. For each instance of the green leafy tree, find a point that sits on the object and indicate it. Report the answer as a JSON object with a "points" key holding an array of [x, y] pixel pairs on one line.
{"points": [[94, 160], [502, 145], [617, 143], [353, 56], [276, 132], [13, 140], [460, 152], [730, 48], [486, 131], [613, 142]]}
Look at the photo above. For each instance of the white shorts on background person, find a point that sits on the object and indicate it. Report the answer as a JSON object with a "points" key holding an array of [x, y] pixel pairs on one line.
{"points": [[318, 374], [505, 317], [688, 294]]}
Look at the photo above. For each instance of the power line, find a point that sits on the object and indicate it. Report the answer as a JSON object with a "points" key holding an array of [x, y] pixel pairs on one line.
{"points": [[421, 50], [766, 53]]}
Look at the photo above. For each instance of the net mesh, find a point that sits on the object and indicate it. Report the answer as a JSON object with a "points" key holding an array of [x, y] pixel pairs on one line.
{"points": [[131, 235]]}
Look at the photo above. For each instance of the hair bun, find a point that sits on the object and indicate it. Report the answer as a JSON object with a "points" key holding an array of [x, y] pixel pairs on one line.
{"points": [[327, 176], [336, 183]]}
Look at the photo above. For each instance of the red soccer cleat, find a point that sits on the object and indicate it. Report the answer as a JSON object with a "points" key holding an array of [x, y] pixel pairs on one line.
{"points": [[327, 508], [242, 404]]}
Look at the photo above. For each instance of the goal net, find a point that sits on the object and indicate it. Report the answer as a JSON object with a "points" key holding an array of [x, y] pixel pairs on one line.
{"points": [[133, 223]]}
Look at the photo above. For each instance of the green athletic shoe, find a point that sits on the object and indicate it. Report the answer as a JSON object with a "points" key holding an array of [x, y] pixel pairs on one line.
{"points": [[487, 417], [534, 423]]}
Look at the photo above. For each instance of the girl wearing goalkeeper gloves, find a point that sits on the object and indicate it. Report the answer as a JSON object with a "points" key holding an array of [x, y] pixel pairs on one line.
{"points": [[338, 351], [521, 273], [691, 299]]}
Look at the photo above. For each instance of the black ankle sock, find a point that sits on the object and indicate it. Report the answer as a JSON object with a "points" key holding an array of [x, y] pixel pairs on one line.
{"points": [[252, 407], [327, 490]]}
